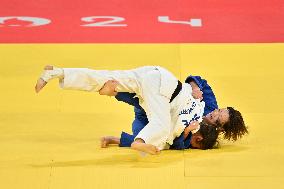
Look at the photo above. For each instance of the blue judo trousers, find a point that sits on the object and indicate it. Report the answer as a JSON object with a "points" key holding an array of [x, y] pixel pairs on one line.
{"points": [[141, 120]]}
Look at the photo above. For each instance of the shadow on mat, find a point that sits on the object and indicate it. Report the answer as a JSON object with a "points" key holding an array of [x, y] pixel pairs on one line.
{"points": [[126, 160], [224, 149], [166, 158]]}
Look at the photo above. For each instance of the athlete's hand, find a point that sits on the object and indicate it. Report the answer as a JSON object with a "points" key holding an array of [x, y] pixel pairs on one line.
{"points": [[192, 126], [197, 93], [109, 88]]}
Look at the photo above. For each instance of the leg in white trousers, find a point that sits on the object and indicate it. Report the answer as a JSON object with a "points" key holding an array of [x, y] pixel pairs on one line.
{"points": [[147, 85], [143, 81]]}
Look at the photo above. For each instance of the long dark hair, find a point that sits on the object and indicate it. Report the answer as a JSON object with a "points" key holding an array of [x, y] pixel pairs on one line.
{"points": [[235, 128]]}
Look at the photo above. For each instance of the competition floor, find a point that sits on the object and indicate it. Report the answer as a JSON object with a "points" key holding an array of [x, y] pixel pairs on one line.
{"points": [[51, 139]]}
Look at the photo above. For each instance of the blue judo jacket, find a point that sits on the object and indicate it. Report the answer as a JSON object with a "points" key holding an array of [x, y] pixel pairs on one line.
{"points": [[141, 120]]}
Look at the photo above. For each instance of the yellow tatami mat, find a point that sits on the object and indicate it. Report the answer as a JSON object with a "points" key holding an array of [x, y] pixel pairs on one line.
{"points": [[51, 140]]}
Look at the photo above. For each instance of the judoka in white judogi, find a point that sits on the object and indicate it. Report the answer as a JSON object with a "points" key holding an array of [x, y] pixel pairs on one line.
{"points": [[154, 87]]}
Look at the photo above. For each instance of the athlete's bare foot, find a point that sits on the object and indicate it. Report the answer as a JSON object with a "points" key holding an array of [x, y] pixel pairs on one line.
{"points": [[105, 141], [40, 82], [147, 148]]}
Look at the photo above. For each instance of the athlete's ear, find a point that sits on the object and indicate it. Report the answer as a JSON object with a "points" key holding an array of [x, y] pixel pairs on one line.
{"points": [[199, 138]]}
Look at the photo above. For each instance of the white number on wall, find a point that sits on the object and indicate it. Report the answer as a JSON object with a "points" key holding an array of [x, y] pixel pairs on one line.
{"points": [[109, 23], [34, 21], [191, 22]]}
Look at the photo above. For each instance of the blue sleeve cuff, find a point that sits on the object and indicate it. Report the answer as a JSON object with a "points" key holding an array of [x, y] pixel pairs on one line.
{"points": [[126, 139], [187, 141], [197, 79], [178, 143]]}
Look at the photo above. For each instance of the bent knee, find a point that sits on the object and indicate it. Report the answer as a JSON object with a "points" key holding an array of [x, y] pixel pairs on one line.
{"points": [[109, 88]]}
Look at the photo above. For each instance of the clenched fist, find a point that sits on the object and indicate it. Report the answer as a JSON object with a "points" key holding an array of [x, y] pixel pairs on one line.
{"points": [[197, 93]]}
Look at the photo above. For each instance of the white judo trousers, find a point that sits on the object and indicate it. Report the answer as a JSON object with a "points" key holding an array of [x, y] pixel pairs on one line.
{"points": [[153, 86]]}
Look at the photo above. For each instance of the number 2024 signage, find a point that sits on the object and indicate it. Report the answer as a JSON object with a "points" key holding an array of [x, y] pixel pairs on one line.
{"points": [[91, 21]]}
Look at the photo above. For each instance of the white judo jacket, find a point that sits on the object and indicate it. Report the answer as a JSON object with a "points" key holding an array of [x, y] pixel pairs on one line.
{"points": [[154, 87]]}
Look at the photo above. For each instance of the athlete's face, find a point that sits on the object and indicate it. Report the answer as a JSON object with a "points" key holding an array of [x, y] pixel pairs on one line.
{"points": [[218, 116]]}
